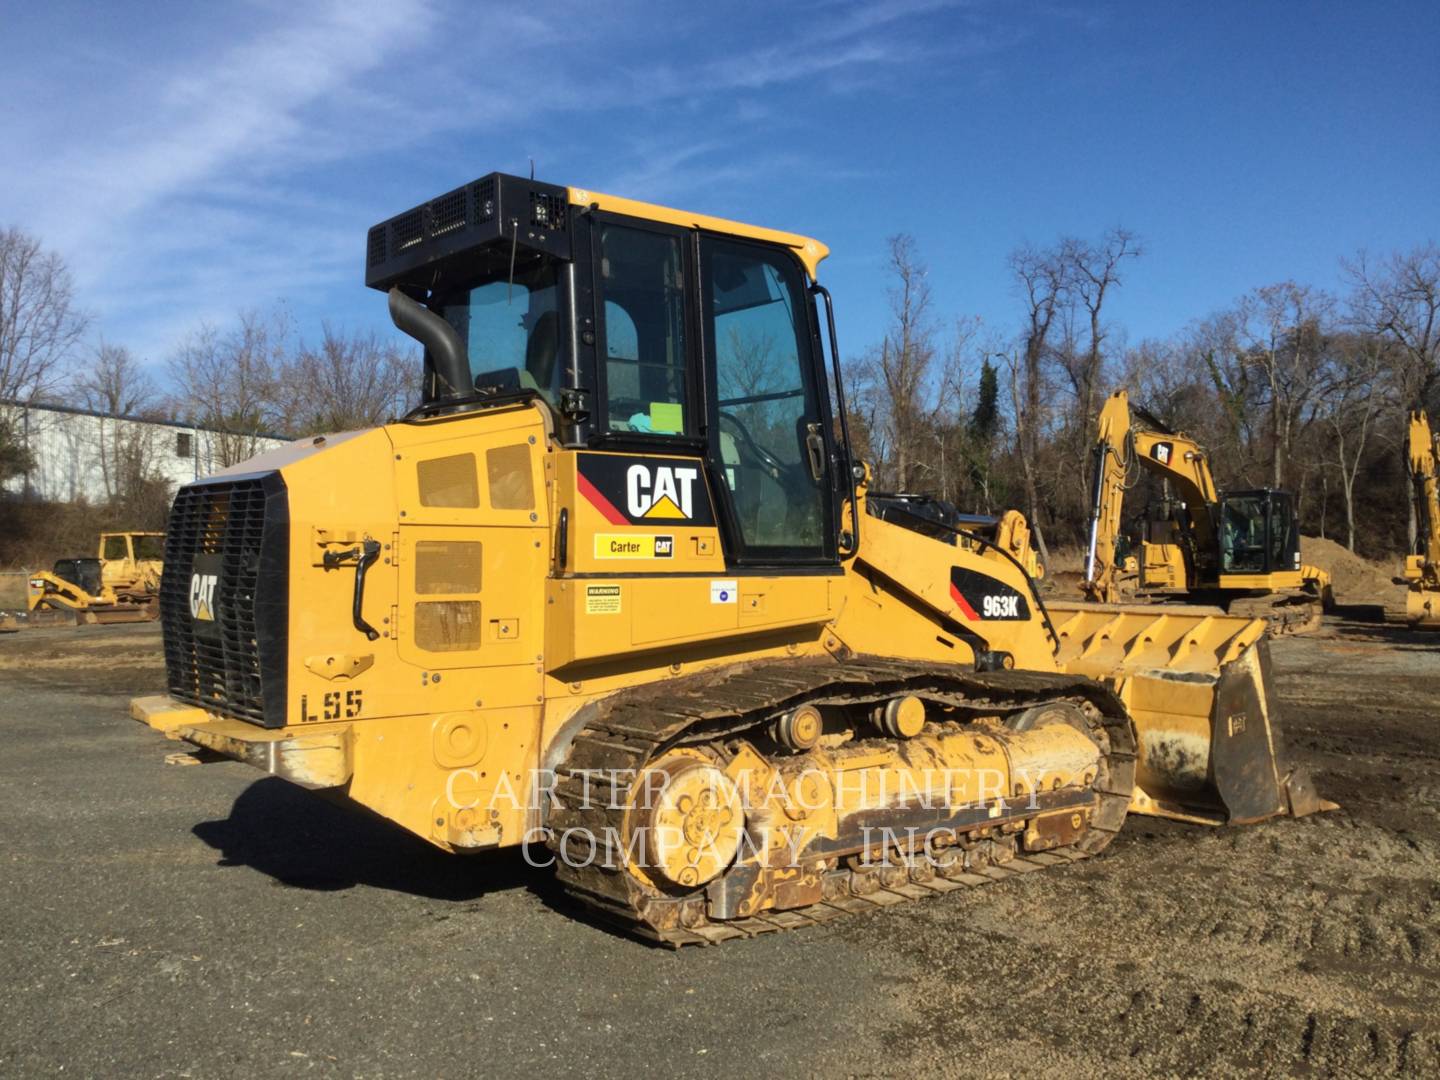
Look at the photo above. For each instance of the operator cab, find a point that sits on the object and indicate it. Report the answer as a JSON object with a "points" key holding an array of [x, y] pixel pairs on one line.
{"points": [[644, 331], [1259, 533]]}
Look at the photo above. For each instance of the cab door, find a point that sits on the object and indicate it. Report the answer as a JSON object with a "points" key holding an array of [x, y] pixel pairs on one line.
{"points": [[767, 422]]}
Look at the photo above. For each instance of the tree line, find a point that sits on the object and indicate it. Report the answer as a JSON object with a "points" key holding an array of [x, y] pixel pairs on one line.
{"points": [[1290, 386], [256, 377]]}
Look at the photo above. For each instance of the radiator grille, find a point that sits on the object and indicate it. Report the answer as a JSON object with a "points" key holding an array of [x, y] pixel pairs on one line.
{"points": [[235, 665]]}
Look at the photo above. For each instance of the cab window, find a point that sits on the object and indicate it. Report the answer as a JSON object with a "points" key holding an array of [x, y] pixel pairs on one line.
{"points": [[642, 282], [510, 320], [771, 458], [1242, 535]]}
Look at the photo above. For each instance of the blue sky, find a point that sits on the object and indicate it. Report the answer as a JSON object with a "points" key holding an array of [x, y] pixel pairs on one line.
{"points": [[190, 159]]}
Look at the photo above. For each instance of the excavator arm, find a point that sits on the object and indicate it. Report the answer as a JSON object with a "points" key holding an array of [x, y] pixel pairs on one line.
{"points": [[1170, 455], [1422, 569], [1423, 473]]}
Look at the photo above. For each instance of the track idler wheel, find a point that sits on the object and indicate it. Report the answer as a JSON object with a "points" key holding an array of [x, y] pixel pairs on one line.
{"points": [[693, 820]]}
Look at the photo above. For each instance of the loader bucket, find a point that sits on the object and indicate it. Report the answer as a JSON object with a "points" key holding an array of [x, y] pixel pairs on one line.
{"points": [[1198, 685]]}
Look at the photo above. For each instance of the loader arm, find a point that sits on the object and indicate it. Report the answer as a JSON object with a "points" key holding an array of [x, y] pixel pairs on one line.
{"points": [[1172, 456]]}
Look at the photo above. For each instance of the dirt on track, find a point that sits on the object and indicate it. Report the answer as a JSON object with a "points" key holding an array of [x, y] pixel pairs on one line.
{"points": [[214, 921]]}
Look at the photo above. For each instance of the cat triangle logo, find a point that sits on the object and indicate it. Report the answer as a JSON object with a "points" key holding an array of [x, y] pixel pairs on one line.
{"points": [[664, 507], [202, 597]]}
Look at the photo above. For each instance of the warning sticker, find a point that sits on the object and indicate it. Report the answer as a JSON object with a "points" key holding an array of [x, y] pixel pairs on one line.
{"points": [[723, 592], [602, 599], [634, 546]]}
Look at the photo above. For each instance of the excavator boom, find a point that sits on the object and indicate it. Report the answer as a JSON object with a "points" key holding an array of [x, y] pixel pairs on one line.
{"points": [[1422, 569]]}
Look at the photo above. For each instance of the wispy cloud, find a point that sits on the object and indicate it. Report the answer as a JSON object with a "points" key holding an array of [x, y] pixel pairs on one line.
{"points": [[186, 172], [143, 196]]}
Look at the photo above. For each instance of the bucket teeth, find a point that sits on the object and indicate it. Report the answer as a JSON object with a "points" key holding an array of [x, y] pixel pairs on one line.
{"points": [[1302, 797]]}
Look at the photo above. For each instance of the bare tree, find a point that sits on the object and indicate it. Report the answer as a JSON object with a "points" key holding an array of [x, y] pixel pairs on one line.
{"points": [[39, 322], [1399, 297], [350, 380], [115, 382], [1286, 327], [228, 382], [1043, 280], [115, 385], [907, 354], [39, 327], [1094, 272], [1357, 395], [896, 384]]}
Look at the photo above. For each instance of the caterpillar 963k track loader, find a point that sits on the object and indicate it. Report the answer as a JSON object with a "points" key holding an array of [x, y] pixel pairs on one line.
{"points": [[617, 589], [1237, 549]]}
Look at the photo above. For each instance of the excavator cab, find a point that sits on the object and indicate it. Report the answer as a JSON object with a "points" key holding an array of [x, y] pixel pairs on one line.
{"points": [[1259, 533]]}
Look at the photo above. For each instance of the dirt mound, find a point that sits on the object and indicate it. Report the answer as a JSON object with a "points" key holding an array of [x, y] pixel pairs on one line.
{"points": [[1064, 571], [1355, 580]]}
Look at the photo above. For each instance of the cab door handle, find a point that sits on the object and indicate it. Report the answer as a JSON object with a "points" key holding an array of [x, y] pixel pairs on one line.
{"points": [[815, 450]]}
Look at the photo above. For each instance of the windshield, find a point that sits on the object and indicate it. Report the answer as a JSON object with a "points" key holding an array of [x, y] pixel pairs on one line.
{"points": [[1242, 535], [511, 329]]}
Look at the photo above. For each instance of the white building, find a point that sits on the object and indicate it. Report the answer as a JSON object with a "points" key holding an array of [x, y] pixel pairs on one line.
{"points": [[75, 452]]}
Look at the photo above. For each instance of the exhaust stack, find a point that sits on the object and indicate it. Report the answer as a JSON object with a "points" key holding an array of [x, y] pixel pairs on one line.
{"points": [[446, 352]]}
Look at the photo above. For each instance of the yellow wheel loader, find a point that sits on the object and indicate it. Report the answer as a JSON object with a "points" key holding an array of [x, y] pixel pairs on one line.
{"points": [[1239, 550], [1422, 570], [617, 591]]}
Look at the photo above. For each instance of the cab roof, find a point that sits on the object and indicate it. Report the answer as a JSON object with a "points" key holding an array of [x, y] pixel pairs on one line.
{"points": [[409, 249], [809, 250]]}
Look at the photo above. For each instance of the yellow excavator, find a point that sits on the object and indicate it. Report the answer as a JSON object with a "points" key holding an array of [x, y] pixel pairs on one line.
{"points": [[616, 590], [1239, 550], [120, 585], [1422, 569]]}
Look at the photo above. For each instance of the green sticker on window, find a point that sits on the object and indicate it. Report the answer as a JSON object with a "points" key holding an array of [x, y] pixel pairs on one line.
{"points": [[667, 417]]}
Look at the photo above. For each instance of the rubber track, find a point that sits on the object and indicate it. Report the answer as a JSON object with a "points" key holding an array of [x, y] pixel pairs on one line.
{"points": [[636, 726]]}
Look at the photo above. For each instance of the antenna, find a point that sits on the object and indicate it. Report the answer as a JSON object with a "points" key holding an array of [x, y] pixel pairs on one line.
{"points": [[532, 168]]}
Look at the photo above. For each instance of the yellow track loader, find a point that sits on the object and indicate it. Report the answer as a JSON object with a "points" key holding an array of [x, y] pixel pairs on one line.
{"points": [[1422, 570], [616, 590], [1239, 550]]}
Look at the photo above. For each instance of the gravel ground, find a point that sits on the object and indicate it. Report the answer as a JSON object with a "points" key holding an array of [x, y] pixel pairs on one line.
{"points": [[203, 921]]}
